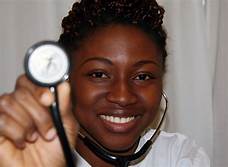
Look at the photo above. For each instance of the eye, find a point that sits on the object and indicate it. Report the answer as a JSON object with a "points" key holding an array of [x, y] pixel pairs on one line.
{"points": [[98, 75], [144, 77]]}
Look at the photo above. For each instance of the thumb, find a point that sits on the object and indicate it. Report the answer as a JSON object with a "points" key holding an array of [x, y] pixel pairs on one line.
{"points": [[64, 98]]}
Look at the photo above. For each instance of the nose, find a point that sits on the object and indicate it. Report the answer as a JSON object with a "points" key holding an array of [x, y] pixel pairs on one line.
{"points": [[122, 94]]}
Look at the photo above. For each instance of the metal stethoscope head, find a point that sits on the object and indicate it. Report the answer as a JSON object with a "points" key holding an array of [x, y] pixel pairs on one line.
{"points": [[124, 160]]}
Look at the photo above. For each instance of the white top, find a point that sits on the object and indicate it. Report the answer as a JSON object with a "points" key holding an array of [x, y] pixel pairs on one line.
{"points": [[169, 150]]}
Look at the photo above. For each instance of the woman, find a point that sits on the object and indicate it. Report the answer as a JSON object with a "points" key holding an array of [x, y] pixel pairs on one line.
{"points": [[117, 51]]}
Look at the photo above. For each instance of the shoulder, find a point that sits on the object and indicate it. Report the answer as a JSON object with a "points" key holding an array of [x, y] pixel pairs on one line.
{"points": [[175, 150]]}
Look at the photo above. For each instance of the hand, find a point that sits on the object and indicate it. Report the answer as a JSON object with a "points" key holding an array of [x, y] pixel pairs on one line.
{"points": [[27, 134]]}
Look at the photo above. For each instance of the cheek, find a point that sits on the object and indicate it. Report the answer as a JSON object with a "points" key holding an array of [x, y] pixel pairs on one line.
{"points": [[150, 98], [84, 99], [86, 96]]}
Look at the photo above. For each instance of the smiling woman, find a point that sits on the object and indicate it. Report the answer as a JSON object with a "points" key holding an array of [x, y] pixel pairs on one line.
{"points": [[117, 51], [125, 81]]}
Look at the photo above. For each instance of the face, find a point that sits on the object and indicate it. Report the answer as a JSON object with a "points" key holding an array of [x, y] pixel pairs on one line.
{"points": [[117, 85]]}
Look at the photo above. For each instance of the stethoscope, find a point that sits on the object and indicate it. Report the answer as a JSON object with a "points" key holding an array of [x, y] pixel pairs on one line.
{"points": [[46, 64]]}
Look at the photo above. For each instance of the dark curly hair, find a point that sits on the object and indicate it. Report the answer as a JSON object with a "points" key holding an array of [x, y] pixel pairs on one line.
{"points": [[88, 15]]}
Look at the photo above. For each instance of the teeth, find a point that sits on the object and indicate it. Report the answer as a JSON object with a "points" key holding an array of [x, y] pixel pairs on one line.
{"points": [[117, 119]]}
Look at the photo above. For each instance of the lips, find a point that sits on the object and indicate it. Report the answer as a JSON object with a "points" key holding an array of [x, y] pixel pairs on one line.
{"points": [[118, 124], [118, 120]]}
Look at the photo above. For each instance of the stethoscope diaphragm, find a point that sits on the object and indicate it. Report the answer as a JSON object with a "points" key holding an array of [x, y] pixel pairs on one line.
{"points": [[46, 63]]}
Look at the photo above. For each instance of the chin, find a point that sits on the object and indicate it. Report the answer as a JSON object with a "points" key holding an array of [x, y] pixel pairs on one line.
{"points": [[119, 144]]}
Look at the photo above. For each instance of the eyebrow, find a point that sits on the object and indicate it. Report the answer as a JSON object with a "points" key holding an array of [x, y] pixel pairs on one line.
{"points": [[104, 60], [144, 62], [107, 61]]}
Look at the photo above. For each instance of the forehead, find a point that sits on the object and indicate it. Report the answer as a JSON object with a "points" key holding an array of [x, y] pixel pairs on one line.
{"points": [[118, 40]]}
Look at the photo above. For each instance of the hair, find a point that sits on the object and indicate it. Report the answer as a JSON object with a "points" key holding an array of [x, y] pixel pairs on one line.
{"points": [[88, 15]]}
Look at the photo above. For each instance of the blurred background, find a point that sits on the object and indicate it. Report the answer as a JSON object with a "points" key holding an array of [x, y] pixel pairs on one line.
{"points": [[197, 78]]}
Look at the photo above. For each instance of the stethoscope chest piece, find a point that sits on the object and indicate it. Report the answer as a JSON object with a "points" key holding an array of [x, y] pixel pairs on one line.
{"points": [[46, 63]]}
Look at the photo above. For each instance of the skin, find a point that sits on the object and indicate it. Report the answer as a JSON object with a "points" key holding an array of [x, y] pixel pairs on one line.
{"points": [[116, 72], [26, 130]]}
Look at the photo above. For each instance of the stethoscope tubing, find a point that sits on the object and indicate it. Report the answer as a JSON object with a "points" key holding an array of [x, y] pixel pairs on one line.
{"points": [[60, 130]]}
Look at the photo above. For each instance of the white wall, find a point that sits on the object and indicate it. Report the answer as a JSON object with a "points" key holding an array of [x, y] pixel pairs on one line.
{"points": [[220, 114], [22, 23], [189, 77]]}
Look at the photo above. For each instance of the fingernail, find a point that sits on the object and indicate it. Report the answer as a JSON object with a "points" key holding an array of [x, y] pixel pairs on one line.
{"points": [[45, 98], [51, 134], [21, 145], [33, 137]]}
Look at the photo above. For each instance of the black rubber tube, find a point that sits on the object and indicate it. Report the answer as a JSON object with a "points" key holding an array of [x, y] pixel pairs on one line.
{"points": [[60, 130]]}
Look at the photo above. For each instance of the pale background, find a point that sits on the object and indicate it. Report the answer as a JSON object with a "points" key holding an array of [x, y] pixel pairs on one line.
{"points": [[196, 81]]}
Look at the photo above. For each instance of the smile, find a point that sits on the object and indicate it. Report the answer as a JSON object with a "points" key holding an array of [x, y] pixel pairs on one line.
{"points": [[118, 120]]}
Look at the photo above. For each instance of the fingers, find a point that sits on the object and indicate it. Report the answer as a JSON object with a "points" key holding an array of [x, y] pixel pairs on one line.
{"points": [[15, 122], [12, 131], [8, 105], [36, 101], [38, 113], [64, 98], [41, 94], [69, 121], [44, 95], [25, 115]]}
